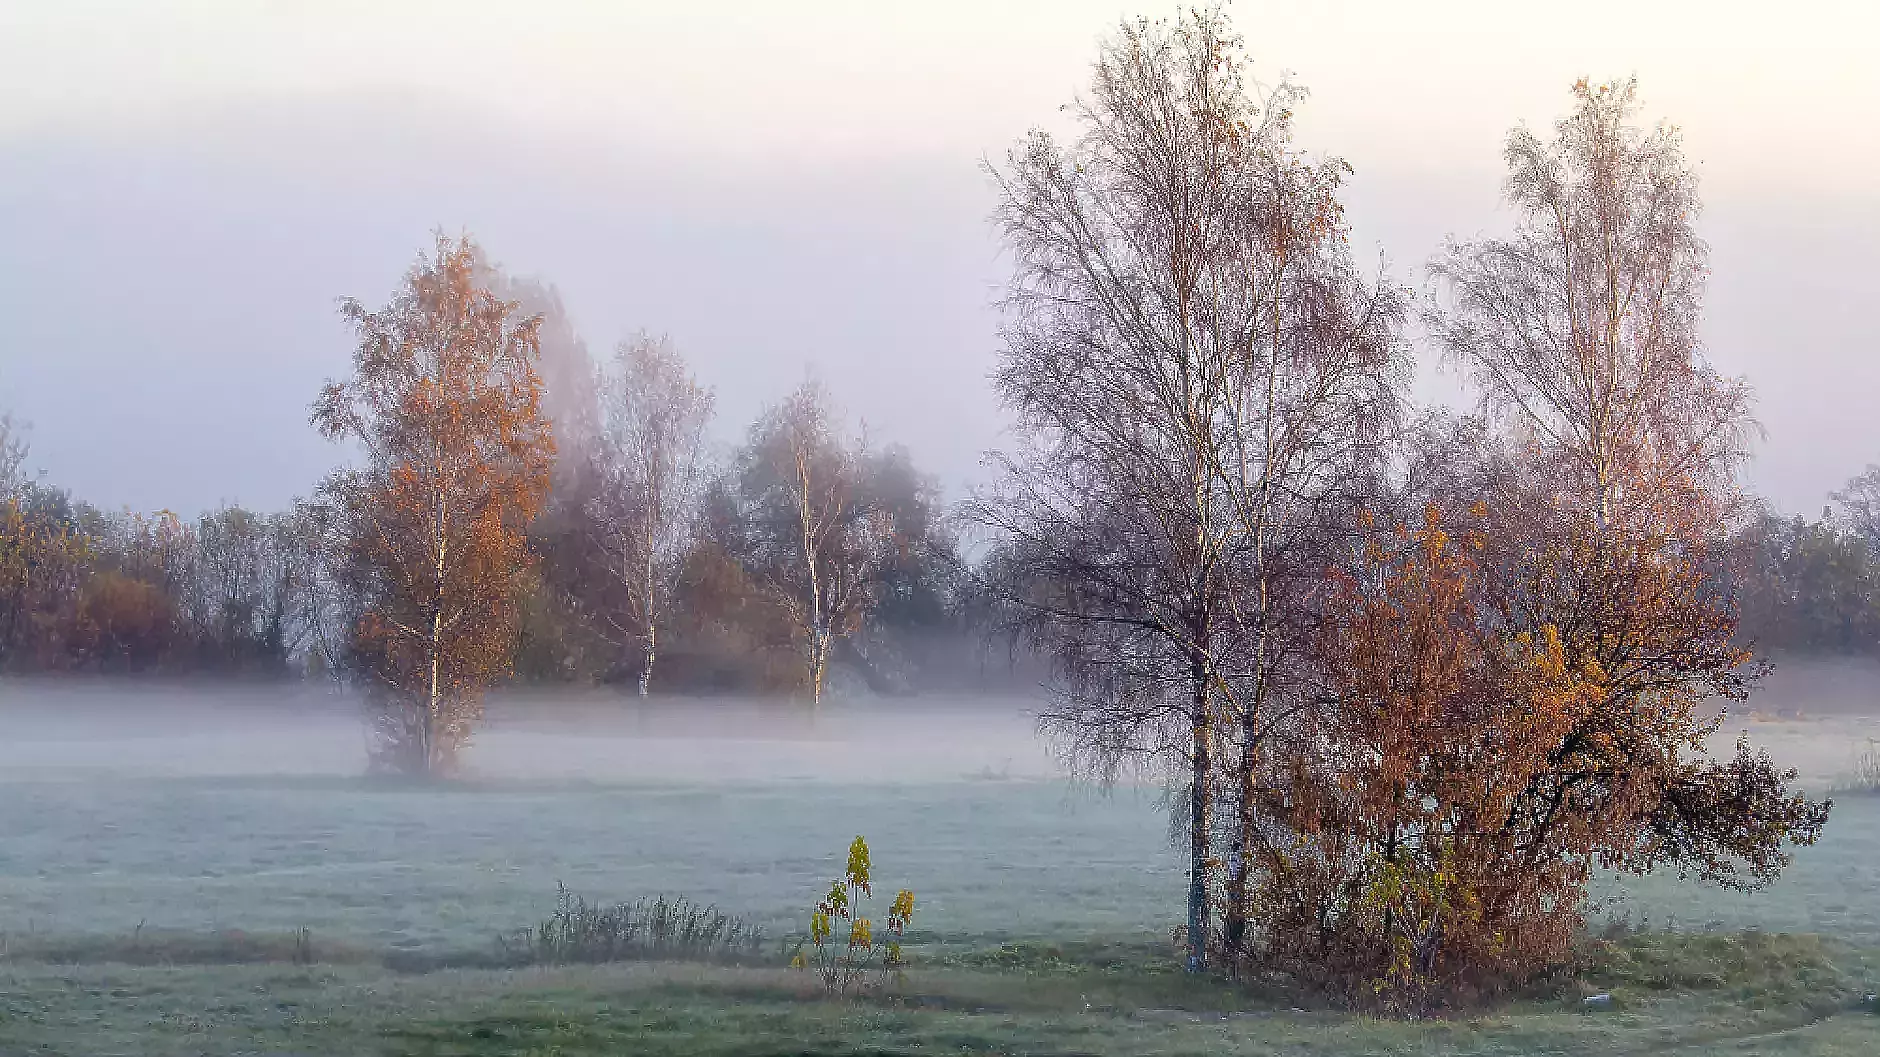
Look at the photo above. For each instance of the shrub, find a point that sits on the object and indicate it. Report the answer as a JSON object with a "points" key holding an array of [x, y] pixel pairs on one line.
{"points": [[1432, 823], [864, 958], [656, 929]]}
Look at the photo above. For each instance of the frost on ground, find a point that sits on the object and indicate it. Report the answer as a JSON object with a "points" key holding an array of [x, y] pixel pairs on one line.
{"points": [[248, 809]]}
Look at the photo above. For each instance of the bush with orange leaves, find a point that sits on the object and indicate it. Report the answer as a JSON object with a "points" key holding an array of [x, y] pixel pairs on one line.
{"points": [[864, 957], [1432, 826]]}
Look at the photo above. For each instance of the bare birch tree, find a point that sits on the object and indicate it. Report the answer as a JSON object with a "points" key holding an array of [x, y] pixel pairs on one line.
{"points": [[1581, 332], [1313, 403], [812, 536], [1194, 363], [13, 450], [652, 464]]}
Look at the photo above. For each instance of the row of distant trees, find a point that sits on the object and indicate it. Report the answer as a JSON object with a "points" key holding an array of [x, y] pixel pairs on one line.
{"points": [[236, 592], [559, 520], [1813, 587]]}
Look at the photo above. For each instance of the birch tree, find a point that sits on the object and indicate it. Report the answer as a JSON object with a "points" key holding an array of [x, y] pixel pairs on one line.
{"points": [[812, 537], [653, 465], [444, 407], [1581, 332], [13, 450], [1194, 365]]}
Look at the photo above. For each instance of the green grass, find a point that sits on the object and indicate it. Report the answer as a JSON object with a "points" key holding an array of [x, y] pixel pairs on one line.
{"points": [[1673, 994], [165, 916]]}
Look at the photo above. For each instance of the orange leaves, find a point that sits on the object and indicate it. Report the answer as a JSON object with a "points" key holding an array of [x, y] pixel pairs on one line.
{"points": [[1405, 790], [446, 402]]}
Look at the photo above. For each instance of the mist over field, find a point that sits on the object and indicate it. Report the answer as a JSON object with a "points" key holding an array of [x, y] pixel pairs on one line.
{"points": [[120, 729], [970, 528], [213, 806], [1812, 712]]}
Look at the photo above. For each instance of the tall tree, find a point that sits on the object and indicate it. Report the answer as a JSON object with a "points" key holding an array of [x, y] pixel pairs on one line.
{"points": [[652, 467], [1196, 366], [444, 402], [1581, 332], [570, 398]]}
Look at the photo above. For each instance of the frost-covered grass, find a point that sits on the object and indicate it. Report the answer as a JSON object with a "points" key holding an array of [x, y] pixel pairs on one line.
{"points": [[428, 867], [154, 893], [449, 866]]}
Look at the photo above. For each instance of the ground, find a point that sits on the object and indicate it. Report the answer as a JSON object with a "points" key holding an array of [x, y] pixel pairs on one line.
{"points": [[153, 857]]}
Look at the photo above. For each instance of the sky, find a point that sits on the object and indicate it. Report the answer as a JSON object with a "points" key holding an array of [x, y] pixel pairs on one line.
{"points": [[187, 188]]}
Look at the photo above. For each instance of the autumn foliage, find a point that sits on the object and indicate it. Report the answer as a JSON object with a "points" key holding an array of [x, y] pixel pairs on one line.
{"points": [[1483, 746], [1392, 873], [445, 400]]}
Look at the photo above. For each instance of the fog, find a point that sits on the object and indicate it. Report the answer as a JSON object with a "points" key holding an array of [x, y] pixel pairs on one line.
{"points": [[88, 729], [1809, 713]]}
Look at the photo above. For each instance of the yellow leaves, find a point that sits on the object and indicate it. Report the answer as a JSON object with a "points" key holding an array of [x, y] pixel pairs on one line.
{"points": [[863, 953], [903, 907], [838, 899], [858, 864]]}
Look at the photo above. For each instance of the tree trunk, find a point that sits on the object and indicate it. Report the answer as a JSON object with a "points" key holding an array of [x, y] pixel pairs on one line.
{"points": [[818, 662], [649, 652], [1199, 804], [649, 642], [1248, 774], [433, 705]]}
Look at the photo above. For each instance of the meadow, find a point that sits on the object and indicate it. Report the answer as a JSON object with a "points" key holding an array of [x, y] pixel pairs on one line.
{"points": [[210, 873]]}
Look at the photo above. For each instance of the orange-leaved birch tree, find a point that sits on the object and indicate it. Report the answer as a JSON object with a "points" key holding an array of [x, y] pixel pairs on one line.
{"points": [[444, 403]]}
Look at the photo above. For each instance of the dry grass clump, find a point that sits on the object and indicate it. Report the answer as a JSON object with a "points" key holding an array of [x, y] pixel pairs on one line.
{"points": [[657, 929]]}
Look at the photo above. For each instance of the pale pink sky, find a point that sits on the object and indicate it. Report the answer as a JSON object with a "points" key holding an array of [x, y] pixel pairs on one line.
{"points": [[185, 187]]}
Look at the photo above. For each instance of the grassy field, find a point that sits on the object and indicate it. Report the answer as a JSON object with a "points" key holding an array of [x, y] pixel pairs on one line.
{"points": [[152, 894]]}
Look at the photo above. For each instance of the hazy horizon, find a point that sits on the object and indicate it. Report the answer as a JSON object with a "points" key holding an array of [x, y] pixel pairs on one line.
{"points": [[186, 189]]}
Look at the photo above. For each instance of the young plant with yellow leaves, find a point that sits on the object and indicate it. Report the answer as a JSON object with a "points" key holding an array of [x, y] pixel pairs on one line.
{"points": [[844, 948]]}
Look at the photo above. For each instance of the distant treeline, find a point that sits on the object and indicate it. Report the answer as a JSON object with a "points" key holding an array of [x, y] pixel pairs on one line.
{"points": [[240, 592], [1813, 586], [260, 594]]}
